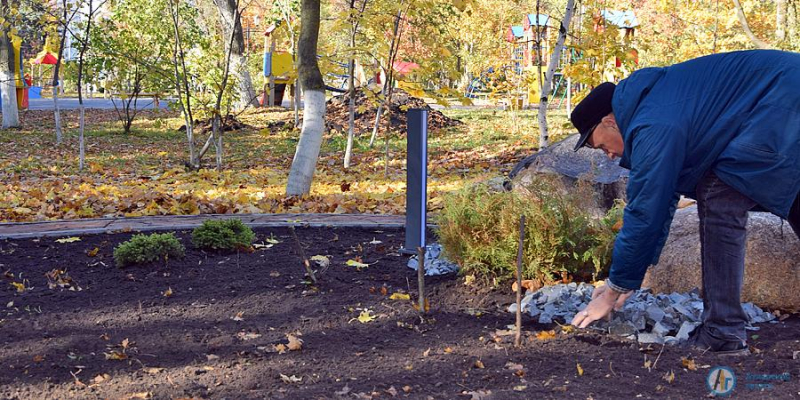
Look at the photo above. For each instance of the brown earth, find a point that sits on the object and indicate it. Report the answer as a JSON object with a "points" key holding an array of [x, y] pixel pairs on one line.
{"points": [[218, 335], [338, 109]]}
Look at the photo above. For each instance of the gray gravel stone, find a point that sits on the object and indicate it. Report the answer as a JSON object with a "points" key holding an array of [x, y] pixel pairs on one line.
{"points": [[650, 318], [435, 262]]}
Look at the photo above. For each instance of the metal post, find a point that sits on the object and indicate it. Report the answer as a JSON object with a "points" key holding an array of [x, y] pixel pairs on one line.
{"points": [[416, 180], [569, 97]]}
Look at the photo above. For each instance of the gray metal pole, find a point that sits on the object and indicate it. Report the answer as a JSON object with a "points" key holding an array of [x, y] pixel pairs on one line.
{"points": [[416, 180]]}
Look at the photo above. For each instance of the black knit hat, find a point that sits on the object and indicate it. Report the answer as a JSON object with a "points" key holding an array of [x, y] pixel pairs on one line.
{"points": [[591, 110]]}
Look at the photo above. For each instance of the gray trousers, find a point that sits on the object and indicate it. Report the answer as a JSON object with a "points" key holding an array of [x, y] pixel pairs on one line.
{"points": [[723, 219]]}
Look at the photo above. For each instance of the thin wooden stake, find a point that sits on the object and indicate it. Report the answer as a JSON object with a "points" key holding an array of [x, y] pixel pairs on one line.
{"points": [[421, 278], [518, 338], [303, 254]]}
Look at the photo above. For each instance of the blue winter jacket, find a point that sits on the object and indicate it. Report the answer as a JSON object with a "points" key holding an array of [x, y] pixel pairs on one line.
{"points": [[737, 114]]}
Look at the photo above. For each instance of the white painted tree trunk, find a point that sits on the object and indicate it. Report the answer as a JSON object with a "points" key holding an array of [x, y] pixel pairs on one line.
{"points": [[780, 20], [7, 80], [241, 75], [217, 137], [9, 89], [297, 100], [348, 153], [81, 144], [230, 17], [305, 157], [743, 21], [57, 115], [551, 70]]}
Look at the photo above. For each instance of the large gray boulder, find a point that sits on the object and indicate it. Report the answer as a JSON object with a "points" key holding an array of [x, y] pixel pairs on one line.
{"points": [[772, 264], [559, 159]]}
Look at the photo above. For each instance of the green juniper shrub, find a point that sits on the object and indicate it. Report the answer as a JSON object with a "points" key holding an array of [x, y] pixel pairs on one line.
{"points": [[142, 249], [479, 229], [227, 234]]}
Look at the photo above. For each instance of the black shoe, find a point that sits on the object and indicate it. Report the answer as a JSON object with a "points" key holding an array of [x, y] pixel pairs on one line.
{"points": [[700, 340]]}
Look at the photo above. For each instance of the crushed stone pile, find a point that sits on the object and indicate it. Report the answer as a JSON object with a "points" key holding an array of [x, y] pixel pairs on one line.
{"points": [[435, 262], [648, 318], [338, 108]]}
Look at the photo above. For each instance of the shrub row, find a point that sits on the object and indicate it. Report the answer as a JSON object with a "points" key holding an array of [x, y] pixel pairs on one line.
{"points": [[220, 235]]}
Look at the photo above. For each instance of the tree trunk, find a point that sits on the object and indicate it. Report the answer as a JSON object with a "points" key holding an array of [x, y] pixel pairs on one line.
{"points": [[232, 25], [387, 92], [305, 157], [8, 86], [354, 23], [182, 84], [780, 20], [551, 70], [743, 21], [84, 46], [791, 19], [352, 114], [56, 68], [378, 113]]}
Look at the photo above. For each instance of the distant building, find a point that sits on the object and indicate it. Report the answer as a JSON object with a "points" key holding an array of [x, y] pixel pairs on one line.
{"points": [[515, 36], [625, 20], [536, 28]]}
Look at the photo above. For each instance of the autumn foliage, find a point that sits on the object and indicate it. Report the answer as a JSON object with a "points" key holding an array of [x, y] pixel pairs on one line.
{"points": [[143, 173]]}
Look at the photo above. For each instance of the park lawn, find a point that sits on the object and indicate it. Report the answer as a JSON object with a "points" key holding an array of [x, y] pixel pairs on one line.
{"points": [[143, 173]]}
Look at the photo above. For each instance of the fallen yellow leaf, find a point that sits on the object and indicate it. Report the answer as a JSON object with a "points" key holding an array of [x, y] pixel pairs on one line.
{"points": [[358, 265], [400, 296], [115, 355], [19, 286], [93, 252], [688, 363], [295, 343], [68, 240], [366, 316], [580, 370], [669, 376], [322, 261], [168, 292], [546, 335]]}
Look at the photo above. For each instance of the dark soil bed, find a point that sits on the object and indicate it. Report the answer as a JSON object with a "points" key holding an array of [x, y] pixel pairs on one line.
{"points": [[218, 334]]}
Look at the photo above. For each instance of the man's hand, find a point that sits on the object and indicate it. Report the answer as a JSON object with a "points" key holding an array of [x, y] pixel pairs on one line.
{"points": [[603, 300]]}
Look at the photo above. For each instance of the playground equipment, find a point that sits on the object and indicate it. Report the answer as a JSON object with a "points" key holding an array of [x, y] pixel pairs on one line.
{"points": [[279, 71], [45, 57], [278, 68]]}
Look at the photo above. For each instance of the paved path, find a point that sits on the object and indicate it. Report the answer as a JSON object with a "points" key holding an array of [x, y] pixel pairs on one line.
{"points": [[179, 222], [71, 103]]}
